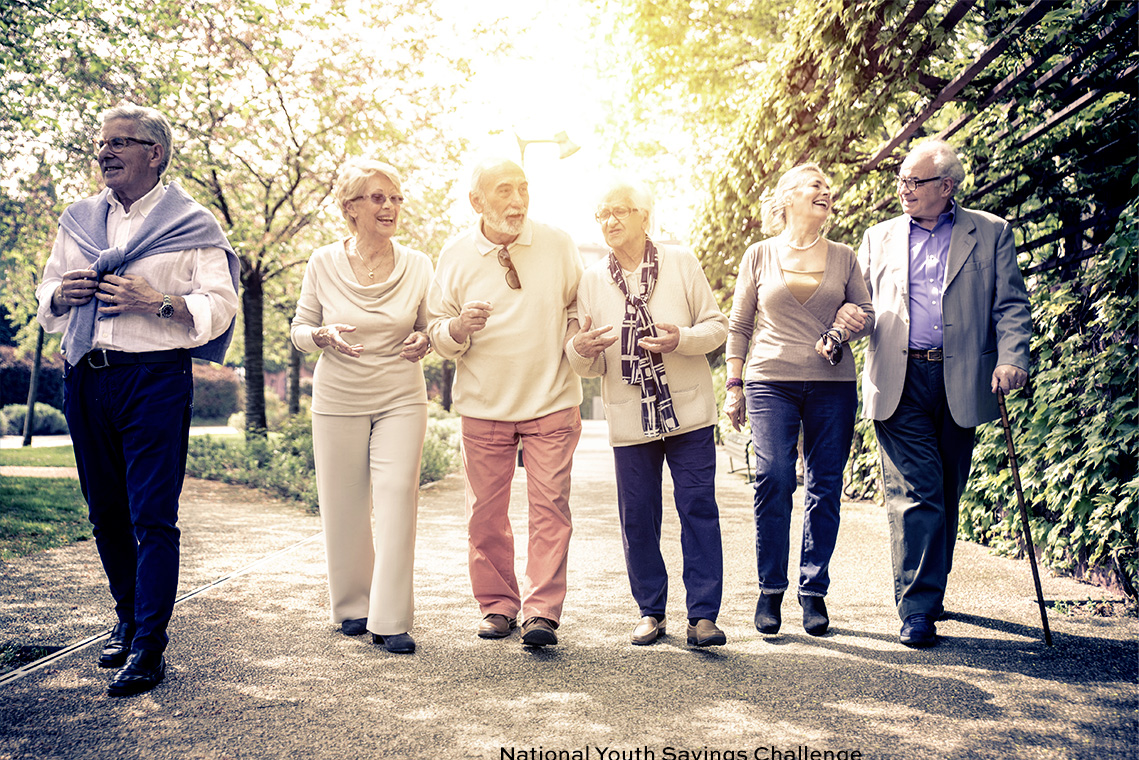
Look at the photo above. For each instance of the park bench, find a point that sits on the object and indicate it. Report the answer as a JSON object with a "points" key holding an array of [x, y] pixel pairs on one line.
{"points": [[738, 448]]}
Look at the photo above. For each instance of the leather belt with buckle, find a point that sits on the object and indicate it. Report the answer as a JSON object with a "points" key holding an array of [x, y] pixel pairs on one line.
{"points": [[929, 355], [101, 358]]}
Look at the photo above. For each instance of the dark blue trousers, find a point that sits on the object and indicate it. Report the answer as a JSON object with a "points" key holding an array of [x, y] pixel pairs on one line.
{"points": [[130, 427], [776, 410], [692, 462], [925, 464]]}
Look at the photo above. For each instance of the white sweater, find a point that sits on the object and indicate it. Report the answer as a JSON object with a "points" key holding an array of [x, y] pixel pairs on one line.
{"points": [[681, 297]]}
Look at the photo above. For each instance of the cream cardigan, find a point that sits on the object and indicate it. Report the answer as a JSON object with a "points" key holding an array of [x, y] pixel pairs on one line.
{"points": [[681, 297]]}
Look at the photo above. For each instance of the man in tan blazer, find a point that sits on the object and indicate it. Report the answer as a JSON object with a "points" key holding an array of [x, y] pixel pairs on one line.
{"points": [[953, 325]]}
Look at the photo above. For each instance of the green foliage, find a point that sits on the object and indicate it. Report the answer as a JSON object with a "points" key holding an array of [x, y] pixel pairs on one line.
{"points": [[1077, 434], [216, 391], [40, 513], [16, 374], [48, 420], [282, 463], [1048, 130]]}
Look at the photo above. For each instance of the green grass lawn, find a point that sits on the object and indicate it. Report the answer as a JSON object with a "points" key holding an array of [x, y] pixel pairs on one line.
{"points": [[40, 513], [39, 456]]}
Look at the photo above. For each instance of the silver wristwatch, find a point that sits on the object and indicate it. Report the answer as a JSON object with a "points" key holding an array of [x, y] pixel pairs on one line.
{"points": [[166, 310]]}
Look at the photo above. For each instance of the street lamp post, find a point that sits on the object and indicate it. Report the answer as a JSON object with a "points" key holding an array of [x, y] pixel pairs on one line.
{"points": [[566, 146]]}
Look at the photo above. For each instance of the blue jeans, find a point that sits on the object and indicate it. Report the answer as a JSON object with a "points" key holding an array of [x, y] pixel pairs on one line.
{"points": [[826, 412], [692, 462], [130, 426]]}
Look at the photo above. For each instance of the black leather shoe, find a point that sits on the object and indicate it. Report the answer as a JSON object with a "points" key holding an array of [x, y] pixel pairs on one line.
{"points": [[768, 616], [918, 631], [144, 670], [354, 627], [118, 646], [396, 643], [815, 620]]}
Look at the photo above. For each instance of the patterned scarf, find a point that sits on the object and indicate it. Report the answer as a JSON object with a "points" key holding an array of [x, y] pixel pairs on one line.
{"points": [[638, 366]]}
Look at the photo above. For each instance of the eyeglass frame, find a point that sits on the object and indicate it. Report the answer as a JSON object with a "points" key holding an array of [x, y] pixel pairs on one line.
{"points": [[912, 184], [109, 143], [620, 217], [397, 200], [505, 260]]}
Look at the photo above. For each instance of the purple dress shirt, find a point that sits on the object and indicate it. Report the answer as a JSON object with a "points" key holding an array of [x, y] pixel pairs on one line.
{"points": [[929, 252]]}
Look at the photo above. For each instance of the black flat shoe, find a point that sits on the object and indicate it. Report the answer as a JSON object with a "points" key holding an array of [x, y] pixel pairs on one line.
{"points": [[144, 670], [396, 643], [118, 646], [354, 627], [918, 631], [768, 616], [815, 620]]}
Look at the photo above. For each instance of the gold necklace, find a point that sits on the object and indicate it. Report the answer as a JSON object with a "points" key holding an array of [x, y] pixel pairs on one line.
{"points": [[371, 270]]}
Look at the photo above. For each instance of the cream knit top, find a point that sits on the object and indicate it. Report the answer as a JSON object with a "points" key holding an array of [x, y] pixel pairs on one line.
{"points": [[384, 314]]}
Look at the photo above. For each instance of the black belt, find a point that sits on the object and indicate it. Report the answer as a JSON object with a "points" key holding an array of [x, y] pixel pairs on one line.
{"points": [[101, 357], [929, 355]]}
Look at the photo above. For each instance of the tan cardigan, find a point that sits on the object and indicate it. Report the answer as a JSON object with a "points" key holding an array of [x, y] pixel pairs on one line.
{"points": [[681, 297], [783, 332]]}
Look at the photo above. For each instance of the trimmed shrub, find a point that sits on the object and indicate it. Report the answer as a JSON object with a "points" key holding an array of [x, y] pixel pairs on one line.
{"points": [[16, 375], [49, 420], [216, 391]]}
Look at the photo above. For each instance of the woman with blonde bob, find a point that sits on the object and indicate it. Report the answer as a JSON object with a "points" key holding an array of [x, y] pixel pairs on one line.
{"points": [[789, 291], [363, 305]]}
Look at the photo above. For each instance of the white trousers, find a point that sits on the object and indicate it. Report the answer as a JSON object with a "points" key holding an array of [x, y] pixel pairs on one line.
{"points": [[367, 480]]}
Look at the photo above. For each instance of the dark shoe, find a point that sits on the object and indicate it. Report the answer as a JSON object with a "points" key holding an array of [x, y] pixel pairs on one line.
{"points": [[539, 632], [768, 616], [144, 670], [396, 643], [354, 627], [815, 620], [918, 631], [705, 634], [496, 626], [118, 646], [648, 630]]}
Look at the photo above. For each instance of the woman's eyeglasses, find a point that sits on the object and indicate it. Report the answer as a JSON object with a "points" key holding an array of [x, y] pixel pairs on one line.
{"points": [[380, 199], [617, 212]]}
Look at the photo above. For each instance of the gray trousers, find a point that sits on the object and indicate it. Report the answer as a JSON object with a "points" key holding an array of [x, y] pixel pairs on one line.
{"points": [[925, 464]]}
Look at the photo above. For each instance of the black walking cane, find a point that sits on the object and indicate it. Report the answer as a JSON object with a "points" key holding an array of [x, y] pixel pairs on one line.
{"points": [[1024, 516]]}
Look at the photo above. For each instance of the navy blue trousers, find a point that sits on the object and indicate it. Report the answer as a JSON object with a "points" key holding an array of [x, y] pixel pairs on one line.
{"points": [[776, 410], [926, 458], [692, 462], [130, 426]]}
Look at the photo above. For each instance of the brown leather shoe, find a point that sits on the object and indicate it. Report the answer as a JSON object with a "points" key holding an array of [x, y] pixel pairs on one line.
{"points": [[648, 630], [495, 626], [705, 634], [539, 632]]}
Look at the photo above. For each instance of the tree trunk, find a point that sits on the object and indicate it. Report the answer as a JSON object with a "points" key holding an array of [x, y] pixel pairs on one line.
{"points": [[295, 357], [33, 390], [448, 376], [253, 315]]}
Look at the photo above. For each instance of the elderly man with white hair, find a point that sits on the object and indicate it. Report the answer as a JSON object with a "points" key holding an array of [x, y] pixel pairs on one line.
{"points": [[501, 305], [953, 328]]}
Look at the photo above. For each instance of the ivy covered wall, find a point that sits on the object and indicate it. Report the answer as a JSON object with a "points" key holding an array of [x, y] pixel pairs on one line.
{"points": [[1040, 100]]}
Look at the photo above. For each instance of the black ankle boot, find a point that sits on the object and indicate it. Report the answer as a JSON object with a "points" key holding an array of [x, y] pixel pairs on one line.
{"points": [[815, 620], [768, 616]]}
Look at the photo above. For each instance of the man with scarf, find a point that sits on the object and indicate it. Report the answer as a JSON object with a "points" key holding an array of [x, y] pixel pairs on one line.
{"points": [[501, 305], [657, 389], [140, 279]]}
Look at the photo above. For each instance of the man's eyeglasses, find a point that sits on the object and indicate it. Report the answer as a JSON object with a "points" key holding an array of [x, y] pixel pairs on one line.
{"points": [[119, 144], [380, 199], [912, 184], [511, 273], [617, 212]]}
